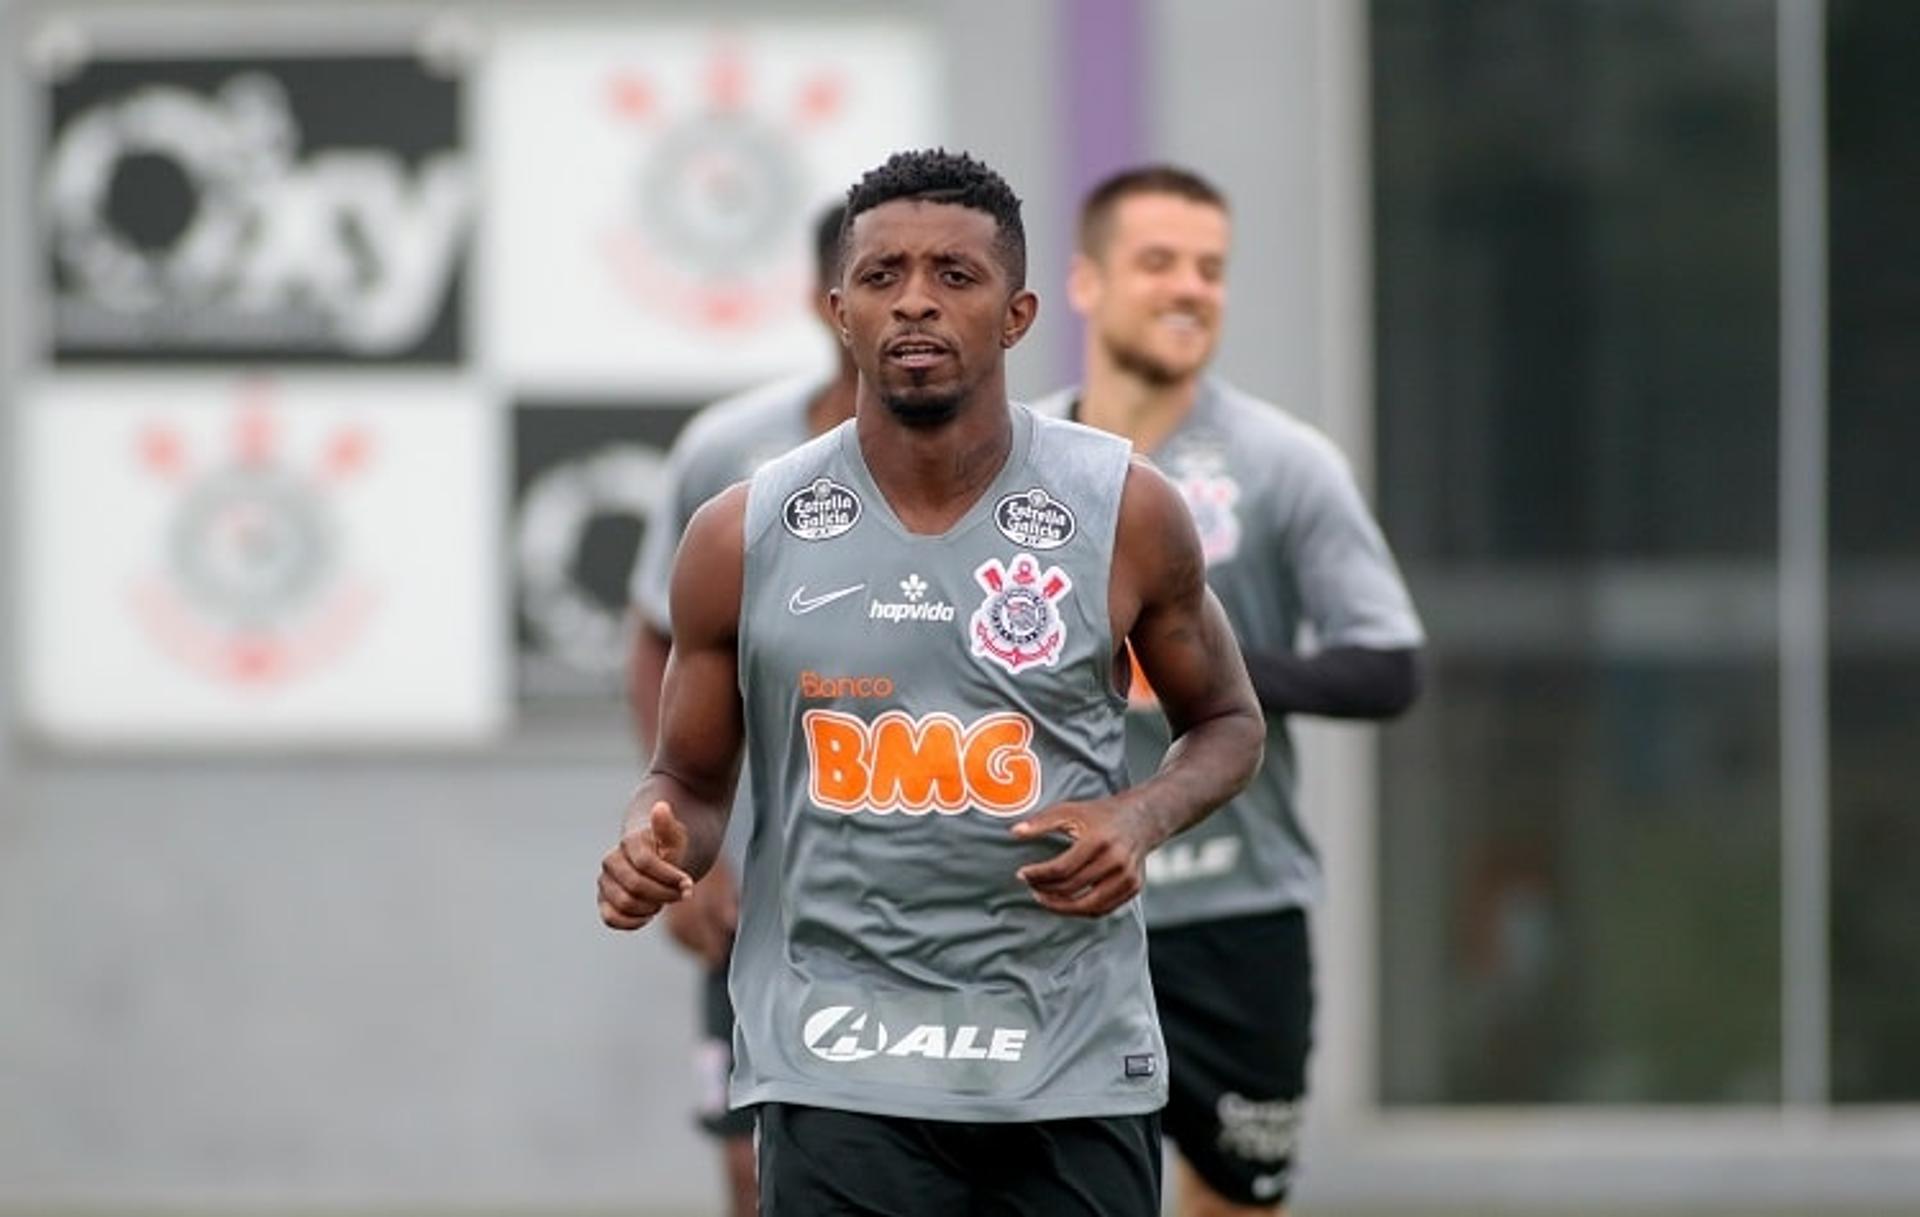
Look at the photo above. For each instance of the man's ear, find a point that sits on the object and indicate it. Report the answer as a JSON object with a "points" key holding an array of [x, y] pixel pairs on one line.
{"points": [[1085, 280], [835, 312], [1022, 308]]}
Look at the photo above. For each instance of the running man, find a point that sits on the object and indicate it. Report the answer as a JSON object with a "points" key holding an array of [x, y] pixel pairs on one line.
{"points": [[917, 624], [1288, 542]]}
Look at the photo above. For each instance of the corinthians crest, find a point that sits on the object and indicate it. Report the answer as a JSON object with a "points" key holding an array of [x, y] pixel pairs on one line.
{"points": [[1211, 499], [1019, 625], [717, 188], [1198, 467], [253, 590]]}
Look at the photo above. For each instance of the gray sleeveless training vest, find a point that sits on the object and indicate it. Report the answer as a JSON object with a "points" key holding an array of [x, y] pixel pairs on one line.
{"points": [[909, 698]]}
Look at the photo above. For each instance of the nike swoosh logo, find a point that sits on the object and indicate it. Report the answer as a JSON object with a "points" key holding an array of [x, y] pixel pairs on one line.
{"points": [[800, 602]]}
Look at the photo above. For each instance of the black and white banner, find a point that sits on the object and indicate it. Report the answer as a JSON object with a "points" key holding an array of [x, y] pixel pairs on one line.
{"points": [[311, 209], [586, 481]]}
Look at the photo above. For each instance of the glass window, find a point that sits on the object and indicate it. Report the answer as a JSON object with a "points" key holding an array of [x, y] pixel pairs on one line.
{"points": [[1577, 293], [1873, 56]]}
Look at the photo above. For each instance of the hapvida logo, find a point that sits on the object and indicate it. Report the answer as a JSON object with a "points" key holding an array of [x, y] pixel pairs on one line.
{"points": [[915, 606]]}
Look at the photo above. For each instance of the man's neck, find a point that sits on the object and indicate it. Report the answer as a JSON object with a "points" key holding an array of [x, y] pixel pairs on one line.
{"points": [[833, 404], [933, 475], [1114, 399]]}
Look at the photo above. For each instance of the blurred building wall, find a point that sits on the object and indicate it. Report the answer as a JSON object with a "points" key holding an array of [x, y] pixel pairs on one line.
{"points": [[327, 978], [337, 979]]}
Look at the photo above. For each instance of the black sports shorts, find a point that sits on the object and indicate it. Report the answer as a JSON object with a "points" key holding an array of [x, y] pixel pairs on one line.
{"points": [[1236, 1004], [816, 1162], [713, 1060]]}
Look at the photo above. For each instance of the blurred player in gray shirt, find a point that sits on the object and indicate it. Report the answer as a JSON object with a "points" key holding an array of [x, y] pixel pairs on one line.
{"points": [[1289, 543], [725, 443]]}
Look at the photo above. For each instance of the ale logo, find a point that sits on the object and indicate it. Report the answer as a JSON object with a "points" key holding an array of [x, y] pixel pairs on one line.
{"points": [[845, 1034], [841, 1034], [900, 763]]}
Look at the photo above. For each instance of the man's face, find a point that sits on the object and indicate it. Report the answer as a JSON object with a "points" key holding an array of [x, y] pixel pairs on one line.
{"points": [[926, 307], [1155, 293]]}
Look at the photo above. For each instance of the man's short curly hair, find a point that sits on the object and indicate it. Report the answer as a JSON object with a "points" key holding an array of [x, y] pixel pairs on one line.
{"points": [[935, 175]]}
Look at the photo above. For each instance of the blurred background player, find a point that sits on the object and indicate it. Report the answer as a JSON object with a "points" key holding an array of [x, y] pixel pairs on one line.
{"points": [[1288, 542], [724, 444]]}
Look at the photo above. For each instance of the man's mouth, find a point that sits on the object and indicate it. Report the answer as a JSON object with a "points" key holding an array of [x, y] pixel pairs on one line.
{"points": [[916, 352]]}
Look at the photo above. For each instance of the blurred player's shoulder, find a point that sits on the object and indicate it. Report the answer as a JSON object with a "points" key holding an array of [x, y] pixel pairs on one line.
{"points": [[1055, 429], [1055, 415], [744, 418], [1270, 431], [1057, 404], [811, 474]]}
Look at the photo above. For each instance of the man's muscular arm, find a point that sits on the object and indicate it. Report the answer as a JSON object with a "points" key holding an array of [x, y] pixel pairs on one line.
{"points": [[1186, 649], [1160, 604], [704, 922], [646, 668], [677, 816]]}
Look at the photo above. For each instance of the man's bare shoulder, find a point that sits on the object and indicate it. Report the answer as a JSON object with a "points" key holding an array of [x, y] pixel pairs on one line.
{"points": [[709, 570], [1156, 554], [1155, 523], [722, 514]]}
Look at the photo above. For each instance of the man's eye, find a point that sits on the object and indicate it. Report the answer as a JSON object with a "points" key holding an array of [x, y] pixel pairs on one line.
{"points": [[875, 278], [956, 278]]}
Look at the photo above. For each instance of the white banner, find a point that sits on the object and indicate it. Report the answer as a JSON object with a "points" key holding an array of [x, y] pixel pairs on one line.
{"points": [[653, 188], [304, 560]]}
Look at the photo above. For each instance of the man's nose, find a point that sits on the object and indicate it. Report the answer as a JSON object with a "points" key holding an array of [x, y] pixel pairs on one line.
{"points": [[915, 302], [1190, 283]]}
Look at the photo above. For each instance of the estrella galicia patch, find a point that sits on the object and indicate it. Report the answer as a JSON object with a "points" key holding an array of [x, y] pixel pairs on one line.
{"points": [[1034, 519], [821, 510]]}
